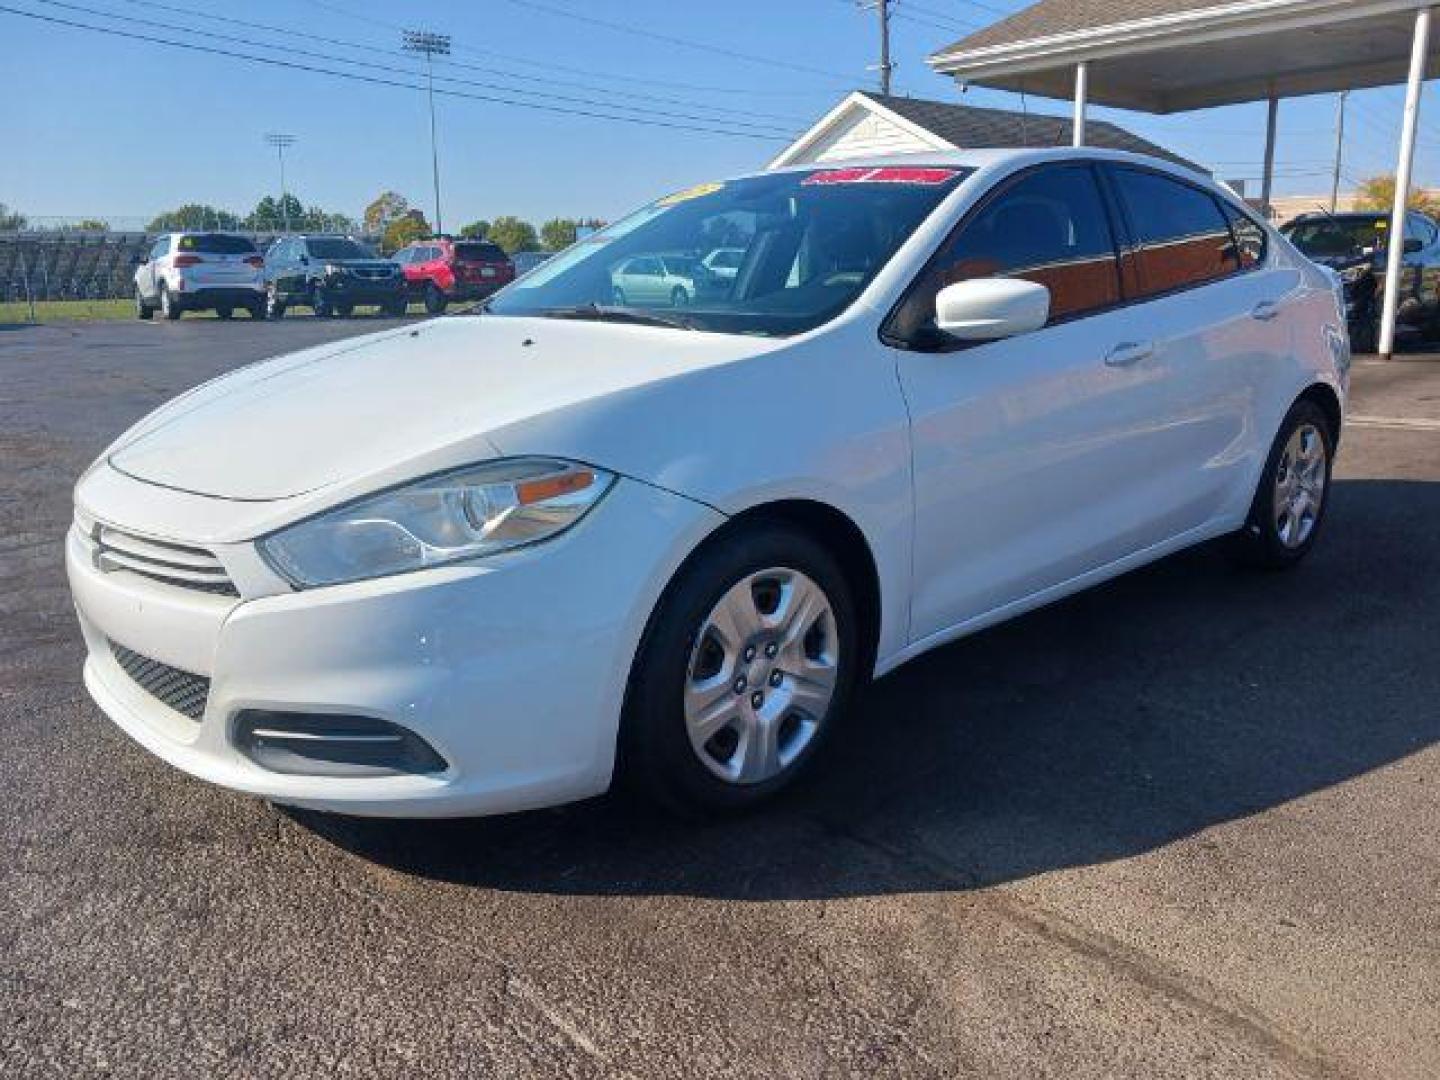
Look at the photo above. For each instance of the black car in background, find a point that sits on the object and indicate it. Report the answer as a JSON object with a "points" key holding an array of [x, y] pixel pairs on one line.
{"points": [[331, 275], [1356, 246]]}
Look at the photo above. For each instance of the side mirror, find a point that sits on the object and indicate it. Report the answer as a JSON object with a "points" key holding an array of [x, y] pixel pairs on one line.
{"points": [[987, 309], [1413, 245]]}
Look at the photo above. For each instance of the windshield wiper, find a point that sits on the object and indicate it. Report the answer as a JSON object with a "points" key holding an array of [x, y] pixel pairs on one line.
{"points": [[609, 313]]}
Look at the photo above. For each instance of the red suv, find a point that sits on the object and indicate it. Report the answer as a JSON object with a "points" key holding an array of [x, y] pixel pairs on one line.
{"points": [[440, 270]]}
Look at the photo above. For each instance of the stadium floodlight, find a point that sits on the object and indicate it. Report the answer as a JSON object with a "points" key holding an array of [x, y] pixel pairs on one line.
{"points": [[430, 45], [280, 141]]}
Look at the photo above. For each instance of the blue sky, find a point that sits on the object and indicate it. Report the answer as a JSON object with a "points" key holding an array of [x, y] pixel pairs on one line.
{"points": [[99, 125]]}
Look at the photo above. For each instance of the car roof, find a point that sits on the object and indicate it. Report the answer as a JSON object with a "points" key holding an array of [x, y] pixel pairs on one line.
{"points": [[980, 158]]}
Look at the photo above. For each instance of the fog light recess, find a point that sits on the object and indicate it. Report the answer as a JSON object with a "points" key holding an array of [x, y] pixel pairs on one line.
{"points": [[332, 744]]}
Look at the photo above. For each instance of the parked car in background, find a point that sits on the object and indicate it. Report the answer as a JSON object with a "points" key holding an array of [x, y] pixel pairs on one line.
{"points": [[1356, 246], [654, 279], [331, 275], [200, 271], [525, 261], [442, 270], [490, 563]]}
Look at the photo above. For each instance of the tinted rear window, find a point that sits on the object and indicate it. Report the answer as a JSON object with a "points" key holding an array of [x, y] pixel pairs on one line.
{"points": [[217, 244], [479, 253], [1182, 238]]}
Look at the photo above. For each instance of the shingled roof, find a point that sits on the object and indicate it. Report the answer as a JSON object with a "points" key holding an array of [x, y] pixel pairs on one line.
{"points": [[1049, 17], [971, 127]]}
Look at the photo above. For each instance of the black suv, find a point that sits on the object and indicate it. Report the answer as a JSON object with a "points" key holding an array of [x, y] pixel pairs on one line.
{"points": [[1355, 246], [331, 275]]}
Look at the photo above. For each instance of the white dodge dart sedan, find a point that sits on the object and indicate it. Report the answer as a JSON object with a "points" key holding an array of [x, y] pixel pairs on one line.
{"points": [[501, 559]]}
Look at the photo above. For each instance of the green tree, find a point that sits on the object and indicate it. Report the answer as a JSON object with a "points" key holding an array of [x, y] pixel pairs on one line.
{"points": [[513, 234], [193, 216], [1378, 193], [476, 230], [270, 214], [11, 220], [558, 233], [90, 224], [403, 230], [388, 206]]}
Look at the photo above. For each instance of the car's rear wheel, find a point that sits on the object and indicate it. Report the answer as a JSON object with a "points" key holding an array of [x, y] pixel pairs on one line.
{"points": [[224, 311], [1290, 502], [434, 299], [319, 302], [142, 309], [344, 310], [257, 309], [169, 306], [747, 664], [395, 309]]}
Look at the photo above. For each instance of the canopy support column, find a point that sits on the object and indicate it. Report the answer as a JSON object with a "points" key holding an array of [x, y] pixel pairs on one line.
{"points": [[1395, 247], [1267, 179], [1082, 94]]}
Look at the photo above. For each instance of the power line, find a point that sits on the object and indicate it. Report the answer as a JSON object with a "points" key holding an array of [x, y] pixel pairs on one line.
{"points": [[719, 117], [670, 39], [375, 80], [498, 87]]}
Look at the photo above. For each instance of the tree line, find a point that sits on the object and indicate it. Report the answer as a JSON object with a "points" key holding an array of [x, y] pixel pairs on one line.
{"points": [[391, 217]]}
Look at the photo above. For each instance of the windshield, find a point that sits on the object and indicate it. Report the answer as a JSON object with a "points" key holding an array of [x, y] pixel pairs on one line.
{"points": [[797, 248], [328, 248], [217, 244], [1339, 236]]}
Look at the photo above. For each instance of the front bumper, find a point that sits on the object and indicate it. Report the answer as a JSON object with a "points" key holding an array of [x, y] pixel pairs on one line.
{"points": [[346, 289], [513, 669]]}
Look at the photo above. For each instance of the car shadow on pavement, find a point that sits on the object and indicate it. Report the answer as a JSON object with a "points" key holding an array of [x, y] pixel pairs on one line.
{"points": [[1176, 698]]}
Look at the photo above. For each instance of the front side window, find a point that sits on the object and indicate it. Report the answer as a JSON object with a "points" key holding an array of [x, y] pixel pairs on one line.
{"points": [[161, 248], [1180, 237], [1050, 227], [806, 242]]}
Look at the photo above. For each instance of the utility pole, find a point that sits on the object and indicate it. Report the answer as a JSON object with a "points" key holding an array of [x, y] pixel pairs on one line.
{"points": [[883, 6], [280, 141], [431, 45], [1339, 151]]}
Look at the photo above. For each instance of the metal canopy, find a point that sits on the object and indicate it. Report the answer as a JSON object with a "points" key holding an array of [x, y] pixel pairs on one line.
{"points": [[1218, 54], [1165, 56]]}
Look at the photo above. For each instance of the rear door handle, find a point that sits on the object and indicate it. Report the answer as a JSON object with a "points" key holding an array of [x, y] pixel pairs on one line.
{"points": [[1265, 310], [1129, 352]]}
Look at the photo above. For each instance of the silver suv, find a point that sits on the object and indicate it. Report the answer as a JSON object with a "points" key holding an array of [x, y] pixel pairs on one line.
{"points": [[200, 271]]}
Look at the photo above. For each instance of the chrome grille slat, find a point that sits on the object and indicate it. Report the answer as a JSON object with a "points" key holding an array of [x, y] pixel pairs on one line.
{"points": [[183, 566], [183, 691]]}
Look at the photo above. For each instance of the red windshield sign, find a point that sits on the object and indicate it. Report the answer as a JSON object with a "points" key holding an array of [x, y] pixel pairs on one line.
{"points": [[888, 175]]}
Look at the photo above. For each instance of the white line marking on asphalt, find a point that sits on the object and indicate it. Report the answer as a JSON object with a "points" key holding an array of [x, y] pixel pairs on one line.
{"points": [[1398, 423]]}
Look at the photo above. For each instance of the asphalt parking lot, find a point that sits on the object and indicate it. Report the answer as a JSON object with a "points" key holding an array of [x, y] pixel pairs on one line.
{"points": [[1181, 826]]}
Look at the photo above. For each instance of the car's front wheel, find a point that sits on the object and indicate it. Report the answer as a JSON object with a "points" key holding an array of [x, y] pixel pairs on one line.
{"points": [[319, 302], [1289, 504], [142, 309], [748, 662], [434, 299], [169, 306], [274, 306]]}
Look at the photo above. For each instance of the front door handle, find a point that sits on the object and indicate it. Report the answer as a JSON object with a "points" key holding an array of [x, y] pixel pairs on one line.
{"points": [[1128, 353], [1265, 310]]}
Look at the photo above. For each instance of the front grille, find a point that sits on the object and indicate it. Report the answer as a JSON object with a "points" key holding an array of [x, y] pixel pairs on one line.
{"points": [[181, 565], [180, 690]]}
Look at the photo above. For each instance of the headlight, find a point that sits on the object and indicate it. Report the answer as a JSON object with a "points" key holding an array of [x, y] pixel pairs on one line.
{"points": [[440, 519]]}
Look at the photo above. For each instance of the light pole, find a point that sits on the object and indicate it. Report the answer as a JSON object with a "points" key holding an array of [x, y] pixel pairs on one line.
{"points": [[432, 45], [280, 141]]}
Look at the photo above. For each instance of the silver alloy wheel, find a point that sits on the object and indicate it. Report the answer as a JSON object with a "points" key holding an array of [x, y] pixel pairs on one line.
{"points": [[762, 672], [1300, 486]]}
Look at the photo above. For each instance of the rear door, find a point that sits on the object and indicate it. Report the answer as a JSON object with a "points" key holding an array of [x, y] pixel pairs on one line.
{"points": [[1218, 316], [148, 278], [1043, 457]]}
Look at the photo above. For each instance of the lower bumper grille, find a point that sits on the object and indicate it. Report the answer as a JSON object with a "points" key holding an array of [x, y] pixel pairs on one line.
{"points": [[182, 691]]}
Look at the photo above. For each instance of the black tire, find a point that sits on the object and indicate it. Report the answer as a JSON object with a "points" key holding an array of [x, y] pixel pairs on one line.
{"points": [[344, 310], [256, 309], [319, 303], [435, 300], [142, 309], [395, 309], [169, 306], [224, 311], [274, 306], [655, 754], [679, 297], [1366, 335], [1263, 542]]}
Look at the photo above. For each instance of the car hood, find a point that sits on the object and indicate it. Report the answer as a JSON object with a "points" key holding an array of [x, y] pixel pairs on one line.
{"points": [[398, 404]]}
